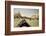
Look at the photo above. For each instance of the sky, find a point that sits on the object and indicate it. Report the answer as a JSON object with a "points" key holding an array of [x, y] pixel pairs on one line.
{"points": [[26, 12]]}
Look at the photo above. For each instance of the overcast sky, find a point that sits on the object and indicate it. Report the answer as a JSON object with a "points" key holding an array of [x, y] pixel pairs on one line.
{"points": [[26, 12]]}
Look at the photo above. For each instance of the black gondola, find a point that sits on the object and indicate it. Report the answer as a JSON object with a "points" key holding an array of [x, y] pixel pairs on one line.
{"points": [[23, 23]]}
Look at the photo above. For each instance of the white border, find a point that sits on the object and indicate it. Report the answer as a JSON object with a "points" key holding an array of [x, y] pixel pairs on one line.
{"points": [[26, 28]]}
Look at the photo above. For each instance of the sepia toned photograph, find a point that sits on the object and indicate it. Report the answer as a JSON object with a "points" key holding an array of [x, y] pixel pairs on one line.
{"points": [[26, 17]]}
